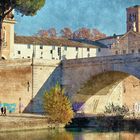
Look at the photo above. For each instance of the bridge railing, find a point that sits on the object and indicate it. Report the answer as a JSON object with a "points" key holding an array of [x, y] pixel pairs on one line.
{"points": [[127, 58]]}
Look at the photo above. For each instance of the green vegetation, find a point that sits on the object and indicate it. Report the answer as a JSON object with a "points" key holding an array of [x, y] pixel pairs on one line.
{"points": [[57, 106], [116, 110], [25, 7]]}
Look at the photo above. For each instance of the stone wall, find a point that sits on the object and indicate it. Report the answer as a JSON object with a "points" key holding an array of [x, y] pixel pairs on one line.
{"points": [[45, 75], [76, 73], [22, 84], [15, 85]]}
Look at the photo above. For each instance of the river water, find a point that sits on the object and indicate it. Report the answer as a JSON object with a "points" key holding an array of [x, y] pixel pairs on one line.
{"points": [[84, 134]]}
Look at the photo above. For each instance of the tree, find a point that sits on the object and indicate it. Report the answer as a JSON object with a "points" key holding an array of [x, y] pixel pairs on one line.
{"points": [[52, 32], [96, 34], [25, 7], [66, 33], [86, 33], [42, 33], [82, 33], [116, 110], [57, 105]]}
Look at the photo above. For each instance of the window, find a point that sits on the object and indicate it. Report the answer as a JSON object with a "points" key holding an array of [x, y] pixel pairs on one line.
{"points": [[53, 47], [28, 86], [138, 50], [41, 47], [59, 51], [65, 48], [99, 49], [88, 49], [116, 52], [28, 46], [41, 53], [88, 55], [124, 51], [130, 17], [4, 42], [76, 48], [76, 56], [51, 51], [19, 52], [28, 57], [4, 35], [132, 51]]}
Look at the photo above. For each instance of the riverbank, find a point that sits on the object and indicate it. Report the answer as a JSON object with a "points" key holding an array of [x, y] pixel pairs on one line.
{"points": [[106, 123], [18, 122]]}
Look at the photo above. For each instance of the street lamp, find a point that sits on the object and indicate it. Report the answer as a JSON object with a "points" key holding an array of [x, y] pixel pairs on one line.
{"points": [[33, 55]]}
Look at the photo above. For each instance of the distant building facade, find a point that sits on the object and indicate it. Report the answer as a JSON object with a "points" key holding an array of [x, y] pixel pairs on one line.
{"points": [[23, 47], [7, 37], [133, 18], [57, 49], [26, 47], [129, 42]]}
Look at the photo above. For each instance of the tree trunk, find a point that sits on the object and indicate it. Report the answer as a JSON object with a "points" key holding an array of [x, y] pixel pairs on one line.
{"points": [[1, 21]]}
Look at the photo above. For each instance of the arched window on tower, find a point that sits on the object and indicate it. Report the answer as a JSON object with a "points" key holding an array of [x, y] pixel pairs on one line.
{"points": [[130, 17]]}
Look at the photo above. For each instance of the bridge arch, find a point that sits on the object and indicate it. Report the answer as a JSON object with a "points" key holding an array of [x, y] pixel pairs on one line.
{"points": [[76, 73], [106, 88]]}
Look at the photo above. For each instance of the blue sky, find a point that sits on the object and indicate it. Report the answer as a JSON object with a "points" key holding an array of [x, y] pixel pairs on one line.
{"points": [[109, 16]]}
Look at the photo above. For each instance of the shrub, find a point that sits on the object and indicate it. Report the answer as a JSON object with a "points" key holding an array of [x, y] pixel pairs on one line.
{"points": [[117, 110], [57, 105]]}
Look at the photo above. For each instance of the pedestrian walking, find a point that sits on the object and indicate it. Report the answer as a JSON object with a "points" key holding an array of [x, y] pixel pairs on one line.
{"points": [[2, 110]]}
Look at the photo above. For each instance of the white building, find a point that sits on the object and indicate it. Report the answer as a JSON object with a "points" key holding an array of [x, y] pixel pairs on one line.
{"points": [[58, 49], [23, 47]]}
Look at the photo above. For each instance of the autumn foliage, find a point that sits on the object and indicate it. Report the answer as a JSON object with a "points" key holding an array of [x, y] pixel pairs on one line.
{"points": [[66, 32], [57, 106]]}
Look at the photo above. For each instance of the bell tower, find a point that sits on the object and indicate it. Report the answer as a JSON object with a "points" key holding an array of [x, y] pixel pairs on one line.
{"points": [[133, 18], [7, 36]]}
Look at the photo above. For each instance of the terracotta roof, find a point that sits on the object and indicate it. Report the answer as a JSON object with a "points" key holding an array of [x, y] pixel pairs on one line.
{"points": [[50, 41], [110, 37], [90, 42], [135, 6], [129, 32]]}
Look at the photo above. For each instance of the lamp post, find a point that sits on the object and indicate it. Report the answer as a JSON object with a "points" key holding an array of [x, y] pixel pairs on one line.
{"points": [[33, 55]]}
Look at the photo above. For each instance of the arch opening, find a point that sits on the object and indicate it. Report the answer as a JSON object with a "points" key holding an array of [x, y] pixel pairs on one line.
{"points": [[103, 89]]}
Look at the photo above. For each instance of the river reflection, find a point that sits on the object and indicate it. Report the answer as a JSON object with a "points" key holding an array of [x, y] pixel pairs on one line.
{"points": [[68, 135]]}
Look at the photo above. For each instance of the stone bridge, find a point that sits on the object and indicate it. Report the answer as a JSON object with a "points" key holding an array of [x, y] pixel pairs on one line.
{"points": [[102, 80], [91, 82]]}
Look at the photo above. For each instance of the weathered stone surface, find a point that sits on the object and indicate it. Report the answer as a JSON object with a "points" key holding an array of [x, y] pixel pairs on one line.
{"points": [[77, 73], [95, 81], [22, 84]]}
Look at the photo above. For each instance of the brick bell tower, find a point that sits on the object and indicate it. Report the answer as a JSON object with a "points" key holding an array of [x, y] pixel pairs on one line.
{"points": [[7, 35], [133, 18]]}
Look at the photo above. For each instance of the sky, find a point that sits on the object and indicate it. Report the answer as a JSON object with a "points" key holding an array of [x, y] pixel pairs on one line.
{"points": [[109, 16]]}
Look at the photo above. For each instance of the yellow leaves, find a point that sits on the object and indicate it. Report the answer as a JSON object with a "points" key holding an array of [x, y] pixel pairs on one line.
{"points": [[57, 105]]}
